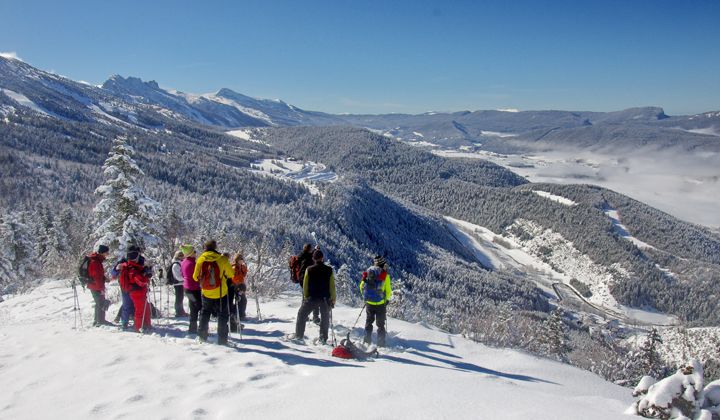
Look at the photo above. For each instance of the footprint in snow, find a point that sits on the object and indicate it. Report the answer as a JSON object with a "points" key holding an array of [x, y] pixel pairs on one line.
{"points": [[135, 398]]}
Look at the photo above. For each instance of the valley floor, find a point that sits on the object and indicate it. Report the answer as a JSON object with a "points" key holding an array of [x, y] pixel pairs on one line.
{"points": [[50, 370]]}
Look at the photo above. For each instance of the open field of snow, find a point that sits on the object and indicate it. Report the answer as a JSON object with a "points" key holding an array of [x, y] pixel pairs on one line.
{"points": [[103, 373], [307, 173]]}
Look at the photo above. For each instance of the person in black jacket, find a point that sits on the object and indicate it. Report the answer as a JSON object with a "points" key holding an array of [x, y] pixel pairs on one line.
{"points": [[305, 259], [318, 293]]}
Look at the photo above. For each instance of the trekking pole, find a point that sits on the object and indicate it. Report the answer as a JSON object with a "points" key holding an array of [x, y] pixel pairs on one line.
{"points": [[76, 306], [358, 317], [142, 322], [332, 328]]}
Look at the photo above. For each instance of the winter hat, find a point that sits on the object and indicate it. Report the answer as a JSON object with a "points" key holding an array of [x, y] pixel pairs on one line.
{"points": [[318, 255], [380, 261], [102, 249], [133, 248], [211, 245], [133, 255], [187, 250]]}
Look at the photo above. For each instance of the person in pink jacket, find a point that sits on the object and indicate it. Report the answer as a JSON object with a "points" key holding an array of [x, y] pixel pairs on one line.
{"points": [[192, 288]]}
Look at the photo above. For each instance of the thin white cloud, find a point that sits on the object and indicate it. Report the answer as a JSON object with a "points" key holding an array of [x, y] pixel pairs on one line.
{"points": [[10, 54]]}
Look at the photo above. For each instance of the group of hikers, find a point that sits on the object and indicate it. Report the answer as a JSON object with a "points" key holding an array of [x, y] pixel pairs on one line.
{"points": [[214, 284]]}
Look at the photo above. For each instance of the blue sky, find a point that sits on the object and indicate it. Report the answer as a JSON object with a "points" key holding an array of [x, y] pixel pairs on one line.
{"points": [[389, 56]]}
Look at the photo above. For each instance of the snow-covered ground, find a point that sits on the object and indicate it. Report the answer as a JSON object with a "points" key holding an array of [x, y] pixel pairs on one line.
{"points": [[307, 173], [555, 198], [26, 102], [48, 370], [245, 134], [622, 230]]}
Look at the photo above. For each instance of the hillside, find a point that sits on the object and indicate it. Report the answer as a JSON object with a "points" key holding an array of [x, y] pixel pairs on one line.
{"points": [[106, 373]]}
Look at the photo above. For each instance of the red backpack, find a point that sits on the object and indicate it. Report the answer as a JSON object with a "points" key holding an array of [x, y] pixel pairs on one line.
{"points": [[210, 275]]}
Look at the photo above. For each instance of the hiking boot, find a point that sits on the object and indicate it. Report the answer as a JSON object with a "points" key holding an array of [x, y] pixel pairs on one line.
{"points": [[316, 321], [368, 339], [181, 315]]}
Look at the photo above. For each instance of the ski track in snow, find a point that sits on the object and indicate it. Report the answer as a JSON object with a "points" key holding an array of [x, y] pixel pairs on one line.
{"points": [[103, 373]]}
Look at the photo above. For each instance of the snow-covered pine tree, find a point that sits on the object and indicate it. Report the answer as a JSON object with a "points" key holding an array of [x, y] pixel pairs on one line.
{"points": [[17, 254], [649, 357], [125, 215], [554, 337]]}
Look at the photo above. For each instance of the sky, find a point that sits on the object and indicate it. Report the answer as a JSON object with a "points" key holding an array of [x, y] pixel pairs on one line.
{"points": [[389, 56]]}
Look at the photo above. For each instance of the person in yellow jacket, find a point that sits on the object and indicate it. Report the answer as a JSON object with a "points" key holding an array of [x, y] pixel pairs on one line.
{"points": [[212, 269], [377, 293]]}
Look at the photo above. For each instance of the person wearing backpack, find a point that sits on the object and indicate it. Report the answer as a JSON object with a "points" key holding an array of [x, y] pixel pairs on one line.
{"points": [[318, 292], [96, 274], [212, 270], [127, 309], [298, 265], [134, 278], [377, 293], [191, 287], [237, 291], [175, 279]]}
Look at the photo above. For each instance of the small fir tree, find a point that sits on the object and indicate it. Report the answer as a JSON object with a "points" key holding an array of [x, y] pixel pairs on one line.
{"points": [[124, 214]]}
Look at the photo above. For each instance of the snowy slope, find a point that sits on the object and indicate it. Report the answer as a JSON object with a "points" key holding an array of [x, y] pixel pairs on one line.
{"points": [[48, 370]]}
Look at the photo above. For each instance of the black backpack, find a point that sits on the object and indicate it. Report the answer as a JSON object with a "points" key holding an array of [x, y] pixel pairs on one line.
{"points": [[169, 277], [83, 274]]}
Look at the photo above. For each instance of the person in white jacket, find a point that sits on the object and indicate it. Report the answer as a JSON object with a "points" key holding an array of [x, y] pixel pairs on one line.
{"points": [[178, 284]]}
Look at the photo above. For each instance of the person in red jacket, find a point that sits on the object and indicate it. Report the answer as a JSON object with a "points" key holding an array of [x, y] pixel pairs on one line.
{"points": [[96, 271], [134, 279]]}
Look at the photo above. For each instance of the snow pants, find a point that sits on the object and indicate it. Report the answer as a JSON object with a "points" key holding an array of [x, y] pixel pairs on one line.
{"points": [[142, 310], [179, 295], [308, 306], [221, 308], [195, 304], [127, 309], [101, 305], [238, 304], [377, 314]]}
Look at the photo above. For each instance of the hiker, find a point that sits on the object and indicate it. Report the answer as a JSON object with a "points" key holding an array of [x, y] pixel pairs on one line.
{"points": [[304, 260], [175, 278], [318, 292], [377, 293], [127, 308], [190, 286], [212, 270], [237, 292], [134, 278], [96, 272]]}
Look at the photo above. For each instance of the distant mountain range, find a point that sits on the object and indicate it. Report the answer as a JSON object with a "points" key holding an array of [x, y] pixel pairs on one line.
{"points": [[129, 100]]}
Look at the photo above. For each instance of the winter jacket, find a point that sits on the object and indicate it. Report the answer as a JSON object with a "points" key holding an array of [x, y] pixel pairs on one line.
{"points": [[319, 282], [133, 277], [240, 273], [188, 268], [96, 271], [177, 273], [226, 273], [382, 293]]}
